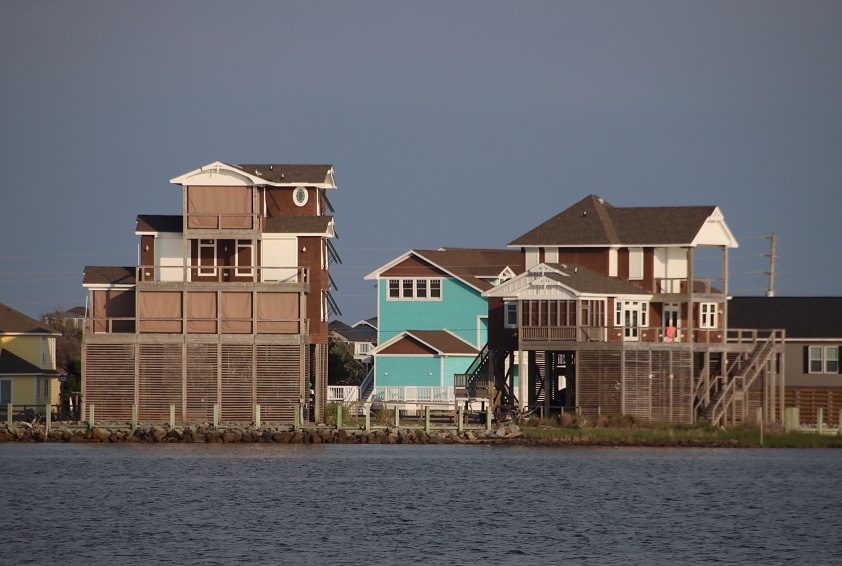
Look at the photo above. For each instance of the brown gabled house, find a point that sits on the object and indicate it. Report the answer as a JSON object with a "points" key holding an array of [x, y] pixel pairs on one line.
{"points": [[610, 317], [227, 310]]}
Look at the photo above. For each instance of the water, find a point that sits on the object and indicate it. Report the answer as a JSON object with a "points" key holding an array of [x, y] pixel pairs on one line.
{"points": [[375, 504]]}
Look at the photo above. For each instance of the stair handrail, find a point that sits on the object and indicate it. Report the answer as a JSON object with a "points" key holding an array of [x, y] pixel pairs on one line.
{"points": [[367, 385], [751, 371]]}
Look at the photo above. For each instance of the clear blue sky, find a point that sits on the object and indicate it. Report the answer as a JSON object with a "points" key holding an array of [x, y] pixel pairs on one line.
{"points": [[449, 123]]}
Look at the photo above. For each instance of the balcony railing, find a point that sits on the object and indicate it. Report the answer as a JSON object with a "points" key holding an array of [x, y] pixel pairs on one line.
{"points": [[222, 274], [224, 221], [534, 334], [128, 325], [679, 286], [413, 394]]}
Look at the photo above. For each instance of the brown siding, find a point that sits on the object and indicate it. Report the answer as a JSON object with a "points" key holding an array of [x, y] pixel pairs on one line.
{"points": [[499, 337], [408, 346], [279, 202], [595, 259], [810, 399], [312, 259], [147, 256]]}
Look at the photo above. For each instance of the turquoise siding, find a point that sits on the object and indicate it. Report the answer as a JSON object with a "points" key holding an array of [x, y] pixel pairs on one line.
{"points": [[457, 312], [407, 370], [415, 370]]}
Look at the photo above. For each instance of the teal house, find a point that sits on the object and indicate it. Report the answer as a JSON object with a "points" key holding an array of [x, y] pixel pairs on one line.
{"points": [[432, 321]]}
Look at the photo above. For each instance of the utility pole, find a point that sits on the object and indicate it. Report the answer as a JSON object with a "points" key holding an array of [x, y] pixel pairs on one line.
{"points": [[770, 292]]}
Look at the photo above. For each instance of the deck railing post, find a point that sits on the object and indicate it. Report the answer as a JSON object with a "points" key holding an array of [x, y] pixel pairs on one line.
{"points": [[427, 418], [134, 416], [257, 415], [819, 419], [367, 409], [215, 415], [338, 416], [297, 422]]}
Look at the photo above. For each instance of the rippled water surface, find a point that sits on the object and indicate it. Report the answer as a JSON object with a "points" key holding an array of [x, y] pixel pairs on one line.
{"points": [[375, 504]]}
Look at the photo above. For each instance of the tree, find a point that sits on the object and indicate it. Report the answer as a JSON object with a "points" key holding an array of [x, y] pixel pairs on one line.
{"points": [[342, 368], [69, 344]]}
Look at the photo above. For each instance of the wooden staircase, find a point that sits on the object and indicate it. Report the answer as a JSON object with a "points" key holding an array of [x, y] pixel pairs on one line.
{"points": [[712, 404]]}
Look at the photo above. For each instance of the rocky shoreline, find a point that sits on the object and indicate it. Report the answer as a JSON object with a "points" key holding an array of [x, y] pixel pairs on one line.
{"points": [[207, 434]]}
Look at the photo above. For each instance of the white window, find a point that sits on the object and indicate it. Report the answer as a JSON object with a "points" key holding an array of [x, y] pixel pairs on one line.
{"points": [[644, 314], [510, 314], [707, 315], [394, 289], [42, 389], [635, 263], [243, 258], [5, 392], [823, 359], [47, 357], [415, 289]]}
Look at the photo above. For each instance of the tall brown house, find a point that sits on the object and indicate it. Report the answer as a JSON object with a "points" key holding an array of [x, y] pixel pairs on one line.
{"points": [[227, 309]]}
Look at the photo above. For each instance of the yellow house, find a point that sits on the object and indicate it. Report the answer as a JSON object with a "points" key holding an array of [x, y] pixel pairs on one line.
{"points": [[28, 376]]}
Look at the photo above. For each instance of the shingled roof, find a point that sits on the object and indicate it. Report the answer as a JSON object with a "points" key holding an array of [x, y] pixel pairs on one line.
{"points": [[584, 280], [594, 222], [298, 224], [12, 364], [801, 317], [473, 265], [292, 174], [106, 275], [15, 322], [160, 223]]}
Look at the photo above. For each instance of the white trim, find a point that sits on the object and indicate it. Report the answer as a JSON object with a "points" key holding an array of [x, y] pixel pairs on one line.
{"points": [[408, 333], [221, 174]]}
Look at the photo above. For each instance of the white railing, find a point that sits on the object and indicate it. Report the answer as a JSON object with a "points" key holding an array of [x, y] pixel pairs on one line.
{"points": [[362, 348], [413, 394], [343, 394]]}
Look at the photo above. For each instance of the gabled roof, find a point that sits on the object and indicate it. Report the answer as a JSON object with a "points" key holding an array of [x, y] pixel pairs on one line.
{"points": [[159, 223], [15, 322], [350, 333], [12, 364], [106, 275], [278, 175], [439, 342], [472, 266], [594, 222], [316, 225], [576, 279], [372, 322], [801, 317]]}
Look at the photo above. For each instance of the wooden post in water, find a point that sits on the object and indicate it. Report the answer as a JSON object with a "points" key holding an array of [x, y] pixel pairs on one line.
{"points": [[760, 422], [48, 414], [839, 424], [397, 416], [819, 419], [91, 416], [297, 422], [172, 416], [257, 415], [134, 416], [8, 414], [427, 418], [488, 417], [459, 420], [215, 415], [338, 416], [367, 409]]}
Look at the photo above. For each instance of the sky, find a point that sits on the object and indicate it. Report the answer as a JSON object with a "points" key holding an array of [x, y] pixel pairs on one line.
{"points": [[449, 123]]}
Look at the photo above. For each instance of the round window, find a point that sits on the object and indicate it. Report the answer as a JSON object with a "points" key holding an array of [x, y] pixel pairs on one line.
{"points": [[300, 196]]}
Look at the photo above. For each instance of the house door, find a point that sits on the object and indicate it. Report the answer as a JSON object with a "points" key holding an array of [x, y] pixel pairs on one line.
{"points": [[631, 322], [671, 319]]}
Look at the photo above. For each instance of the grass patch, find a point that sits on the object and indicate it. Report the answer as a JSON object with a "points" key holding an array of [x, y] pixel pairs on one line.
{"points": [[661, 434]]}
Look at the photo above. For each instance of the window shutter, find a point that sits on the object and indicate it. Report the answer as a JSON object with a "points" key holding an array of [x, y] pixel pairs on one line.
{"points": [[806, 369]]}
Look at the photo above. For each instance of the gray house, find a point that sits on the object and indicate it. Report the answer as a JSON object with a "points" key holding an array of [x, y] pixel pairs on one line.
{"points": [[813, 328]]}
